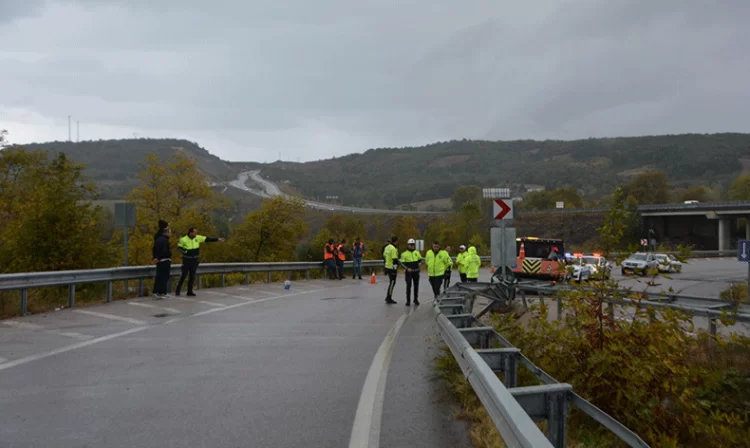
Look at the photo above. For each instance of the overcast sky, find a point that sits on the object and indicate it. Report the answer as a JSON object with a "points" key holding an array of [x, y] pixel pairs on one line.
{"points": [[311, 79]]}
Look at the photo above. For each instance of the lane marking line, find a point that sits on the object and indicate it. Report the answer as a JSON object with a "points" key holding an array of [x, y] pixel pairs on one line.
{"points": [[204, 302], [146, 305], [261, 292], [28, 359], [237, 305], [367, 420], [222, 294], [22, 325], [111, 317], [74, 335]]}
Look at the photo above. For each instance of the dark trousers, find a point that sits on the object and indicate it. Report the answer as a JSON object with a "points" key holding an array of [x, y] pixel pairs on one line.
{"points": [[189, 266], [340, 268], [357, 268], [163, 269], [392, 277], [412, 278], [472, 280], [331, 267], [463, 276], [436, 283], [447, 279]]}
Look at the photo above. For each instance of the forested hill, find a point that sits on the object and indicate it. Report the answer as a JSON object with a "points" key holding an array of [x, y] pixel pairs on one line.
{"points": [[395, 176], [113, 164]]}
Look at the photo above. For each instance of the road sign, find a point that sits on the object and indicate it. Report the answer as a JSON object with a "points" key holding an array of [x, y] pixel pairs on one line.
{"points": [[503, 246], [743, 251], [559, 204], [644, 242], [502, 209], [124, 214]]}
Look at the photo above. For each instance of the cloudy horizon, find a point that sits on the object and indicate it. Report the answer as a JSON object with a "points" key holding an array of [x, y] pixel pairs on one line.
{"points": [[250, 81]]}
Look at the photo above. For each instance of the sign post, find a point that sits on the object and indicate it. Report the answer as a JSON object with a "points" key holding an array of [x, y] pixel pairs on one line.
{"points": [[502, 233], [743, 256], [125, 217]]}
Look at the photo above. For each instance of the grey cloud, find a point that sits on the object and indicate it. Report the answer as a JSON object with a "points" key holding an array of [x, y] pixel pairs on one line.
{"points": [[332, 77]]}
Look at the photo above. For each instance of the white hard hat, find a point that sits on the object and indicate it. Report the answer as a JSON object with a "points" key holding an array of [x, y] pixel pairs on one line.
{"points": [[411, 241]]}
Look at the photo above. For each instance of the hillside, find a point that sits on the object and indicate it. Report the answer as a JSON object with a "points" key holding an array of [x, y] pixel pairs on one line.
{"points": [[113, 164], [389, 177]]}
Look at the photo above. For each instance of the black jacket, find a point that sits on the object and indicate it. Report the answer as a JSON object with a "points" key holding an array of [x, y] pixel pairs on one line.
{"points": [[161, 247]]}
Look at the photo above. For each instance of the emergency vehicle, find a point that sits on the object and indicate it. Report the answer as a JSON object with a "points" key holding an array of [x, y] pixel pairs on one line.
{"points": [[586, 267], [533, 257]]}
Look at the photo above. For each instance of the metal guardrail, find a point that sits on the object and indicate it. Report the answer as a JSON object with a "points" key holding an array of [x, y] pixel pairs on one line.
{"points": [[513, 409], [24, 281], [701, 206], [692, 254]]}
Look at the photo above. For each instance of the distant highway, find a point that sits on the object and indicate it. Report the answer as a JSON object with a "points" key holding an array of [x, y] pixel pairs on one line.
{"points": [[269, 189]]}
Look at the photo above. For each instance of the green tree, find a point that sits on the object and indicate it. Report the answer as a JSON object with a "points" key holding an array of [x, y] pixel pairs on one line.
{"points": [[650, 187], [739, 190], [612, 230], [545, 200], [47, 220], [405, 227], [174, 190], [468, 221], [271, 233], [464, 194]]}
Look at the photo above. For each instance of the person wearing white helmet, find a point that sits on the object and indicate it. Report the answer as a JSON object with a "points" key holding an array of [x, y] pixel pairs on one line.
{"points": [[411, 259]]}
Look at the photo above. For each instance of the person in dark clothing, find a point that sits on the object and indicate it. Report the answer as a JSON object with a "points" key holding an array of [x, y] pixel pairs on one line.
{"points": [[448, 272], [358, 251], [189, 246], [162, 258], [329, 258], [411, 259], [341, 251]]}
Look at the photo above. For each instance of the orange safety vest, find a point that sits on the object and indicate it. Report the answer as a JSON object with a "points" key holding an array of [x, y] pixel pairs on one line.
{"points": [[328, 255], [342, 255]]}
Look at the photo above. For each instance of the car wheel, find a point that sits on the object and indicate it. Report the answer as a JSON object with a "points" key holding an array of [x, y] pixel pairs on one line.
{"points": [[678, 269], [623, 272]]}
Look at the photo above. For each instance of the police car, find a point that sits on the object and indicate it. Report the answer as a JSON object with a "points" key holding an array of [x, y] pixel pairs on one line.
{"points": [[586, 267], [668, 263]]}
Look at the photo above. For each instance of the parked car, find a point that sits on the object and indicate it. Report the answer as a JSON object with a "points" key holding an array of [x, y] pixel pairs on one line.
{"points": [[668, 263], [590, 266], [639, 263]]}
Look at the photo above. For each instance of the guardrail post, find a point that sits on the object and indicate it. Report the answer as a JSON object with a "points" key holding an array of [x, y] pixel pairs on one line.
{"points": [[223, 280], [109, 292], [71, 295], [558, 416], [559, 307], [141, 288], [247, 278], [307, 274], [200, 282], [169, 285], [268, 277], [24, 301], [712, 330], [523, 299], [612, 311]]}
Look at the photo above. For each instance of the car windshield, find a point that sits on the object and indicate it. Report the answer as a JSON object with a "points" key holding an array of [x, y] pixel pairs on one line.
{"points": [[638, 257], [590, 260], [661, 257]]}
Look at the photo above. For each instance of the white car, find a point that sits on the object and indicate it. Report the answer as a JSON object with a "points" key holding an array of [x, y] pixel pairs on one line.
{"points": [[590, 266], [668, 263], [639, 263]]}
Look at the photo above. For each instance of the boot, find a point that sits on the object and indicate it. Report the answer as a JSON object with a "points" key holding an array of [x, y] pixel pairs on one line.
{"points": [[190, 294], [416, 302], [408, 301]]}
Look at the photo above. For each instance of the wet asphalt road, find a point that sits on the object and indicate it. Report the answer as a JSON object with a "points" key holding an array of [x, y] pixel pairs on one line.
{"points": [[251, 366]]}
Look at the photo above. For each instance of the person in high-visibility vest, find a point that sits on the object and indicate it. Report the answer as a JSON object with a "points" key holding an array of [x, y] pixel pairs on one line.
{"points": [[329, 258], [462, 262], [448, 270], [412, 259], [341, 251], [189, 245], [390, 258], [437, 262], [472, 266]]}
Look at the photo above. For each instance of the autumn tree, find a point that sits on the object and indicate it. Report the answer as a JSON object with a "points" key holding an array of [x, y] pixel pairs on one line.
{"points": [[405, 227], [739, 190], [548, 199], [47, 219], [271, 233], [174, 190], [650, 187]]}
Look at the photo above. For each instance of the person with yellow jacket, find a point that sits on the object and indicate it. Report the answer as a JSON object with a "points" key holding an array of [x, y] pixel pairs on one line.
{"points": [[189, 245], [437, 262], [461, 261], [472, 265], [390, 258], [412, 259]]}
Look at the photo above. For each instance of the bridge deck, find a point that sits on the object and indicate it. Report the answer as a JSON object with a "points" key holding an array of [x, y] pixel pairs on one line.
{"points": [[242, 366]]}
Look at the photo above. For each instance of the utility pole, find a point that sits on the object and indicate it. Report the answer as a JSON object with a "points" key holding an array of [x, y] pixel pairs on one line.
{"points": [[78, 131], [69, 135]]}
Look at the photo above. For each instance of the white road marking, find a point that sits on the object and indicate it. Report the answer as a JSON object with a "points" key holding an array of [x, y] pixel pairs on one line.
{"points": [[22, 325], [261, 292], [28, 359], [146, 305], [203, 313], [112, 317], [247, 299], [35, 327], [366, 427], [204, 302]]}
